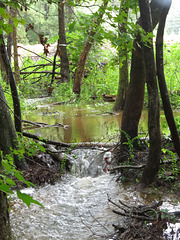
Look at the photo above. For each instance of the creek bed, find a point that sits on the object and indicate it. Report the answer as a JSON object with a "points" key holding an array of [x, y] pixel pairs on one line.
{"points": [[76, 207]]}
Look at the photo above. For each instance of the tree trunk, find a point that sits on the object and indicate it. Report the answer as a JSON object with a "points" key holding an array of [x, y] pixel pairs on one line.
{"points": [[3, 70], [5, 229], [135, 95], [16, 61], [7, 141], [79, 73], [10, 42], [62, 44], [14, 92], [123, 70], [162, 82], [134, 99], [8, 137], [152, 165]]}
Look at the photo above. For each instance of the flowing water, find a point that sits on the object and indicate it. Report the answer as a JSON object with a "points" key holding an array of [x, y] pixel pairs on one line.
{"points": [[77, 207]]}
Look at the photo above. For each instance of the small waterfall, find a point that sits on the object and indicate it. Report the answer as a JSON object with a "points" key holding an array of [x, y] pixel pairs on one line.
{"points": [[88, 163]]}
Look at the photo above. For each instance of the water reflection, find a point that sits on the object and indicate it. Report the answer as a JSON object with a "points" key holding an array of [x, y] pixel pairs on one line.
{"points": [[84, 124]]}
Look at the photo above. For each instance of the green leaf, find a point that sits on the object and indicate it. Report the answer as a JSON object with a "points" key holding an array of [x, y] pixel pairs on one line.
{"points": [[10, 182], [16, 21], [5, 188], [5, 28], [27, 199], [19, 176], [71, 3], [4, 14], [71, 26], [22, 21], [41, 148]]}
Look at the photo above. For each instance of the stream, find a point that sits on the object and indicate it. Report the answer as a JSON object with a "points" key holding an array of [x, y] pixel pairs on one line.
{"points": [[77, 207]]}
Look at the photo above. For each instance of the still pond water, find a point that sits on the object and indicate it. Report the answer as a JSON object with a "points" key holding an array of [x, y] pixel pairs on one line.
{"points": [[82, 124]]}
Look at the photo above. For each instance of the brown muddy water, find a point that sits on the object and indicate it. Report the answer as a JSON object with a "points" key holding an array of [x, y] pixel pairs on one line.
{"points": [[81, 124]]}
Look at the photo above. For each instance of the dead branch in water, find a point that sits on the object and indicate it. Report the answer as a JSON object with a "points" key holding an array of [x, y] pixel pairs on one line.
{"points": [[135, 225], [140, 212], [42, 124]]}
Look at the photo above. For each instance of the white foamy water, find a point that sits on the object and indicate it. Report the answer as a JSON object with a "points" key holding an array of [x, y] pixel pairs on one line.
{"points": [[75, 208]]}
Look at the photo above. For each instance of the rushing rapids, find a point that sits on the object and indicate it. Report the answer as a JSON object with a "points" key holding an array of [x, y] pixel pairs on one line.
{"points": [[75, 208]]}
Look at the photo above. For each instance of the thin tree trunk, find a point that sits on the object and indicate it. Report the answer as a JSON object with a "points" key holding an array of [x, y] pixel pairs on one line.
{"points": [[135, 95], [10, 42], [162, 82], [62, 44], [7, 140], [123, 70], [53, 70], [14, 92], [3, 70], [79, 73], [16, 60], [152, 165]]}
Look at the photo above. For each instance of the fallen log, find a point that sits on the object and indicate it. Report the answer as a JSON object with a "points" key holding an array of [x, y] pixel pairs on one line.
{"points": [[93, 145], [60, 144], [118, 168]]}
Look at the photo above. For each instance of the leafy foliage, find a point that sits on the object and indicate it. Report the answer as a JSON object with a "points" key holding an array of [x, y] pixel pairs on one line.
{"points": [[10, 176], [169, 172], [171, 67]]}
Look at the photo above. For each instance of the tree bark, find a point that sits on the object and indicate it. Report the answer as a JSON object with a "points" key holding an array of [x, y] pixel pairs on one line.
{"points": [[123, 70], [5, 229], [62, 44], [86, 49], [8, 139], [7, 131], [14, 92], [15, 48], [10, 42], [152, 165], [135, 95], [162, 82], [3, 70]]}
